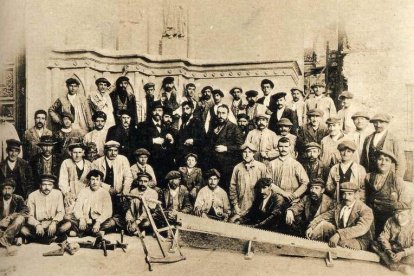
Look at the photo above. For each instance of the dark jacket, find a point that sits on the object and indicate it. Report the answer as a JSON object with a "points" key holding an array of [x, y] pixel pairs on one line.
{"points": [[17, 207], [127, 140], [36, 164], [131, 106], [287, 113], [302, 208], [184, 203], [192, 130], [24, 178]]}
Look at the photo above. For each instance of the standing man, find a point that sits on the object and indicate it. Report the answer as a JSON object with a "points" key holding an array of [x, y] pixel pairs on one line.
{"points": [[13, 213], [45, 162], [347, 111], [279, 111], [322, 102], [74, 104], [190, 91], [123, 100], [267, 87], [211, 118], [67, 135], [149, 89], [237, 105], [243, 124], [7, 131], [101, 101], [169, 92], [33, 134], [298, 105], [361, 132], [224, 143], [243, 182], [206, 102], [312, 164], [16, 168], [253, 108], [382, 139], [98, 135]]}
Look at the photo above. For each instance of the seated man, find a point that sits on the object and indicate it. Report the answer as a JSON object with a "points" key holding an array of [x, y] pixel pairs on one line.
{"points": [[175, 198], [45, 223], [212, 201], [136, 216], [13, 211], [310, 206], [395, 244], [142, 156], [312, 163], [92, 207], [67, 135], [267, 209], [350, 224]]}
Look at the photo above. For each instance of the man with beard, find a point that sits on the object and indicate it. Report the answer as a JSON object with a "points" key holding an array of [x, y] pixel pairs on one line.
{"points": [[117, 174], [98, 135], [347, 170], [253, 108], [267, 209], [123, 100], [190, 90], [224, 143], [362, 129], [284, 126], [298, 105], [243, 181], [322, 102], [310, 206], [313, 131], [349, 224], [267, 87], [191, 135], [312, 164], [169, 92], [382, 139], [243, 124], [16, 168], [91, 152], [13, 213], [279, 111], [170, 139], [237, 105], [67, 135], [149, 89], [212, 120], [101, 101], [33, 134], [206, 102], [45, 223], [263, 139], [126, 134], [45, 162], [289, 177], [346, 112], [72, 103]]}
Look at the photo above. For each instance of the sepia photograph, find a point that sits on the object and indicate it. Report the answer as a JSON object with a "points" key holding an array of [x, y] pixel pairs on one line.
{"points": [[206, 137]]}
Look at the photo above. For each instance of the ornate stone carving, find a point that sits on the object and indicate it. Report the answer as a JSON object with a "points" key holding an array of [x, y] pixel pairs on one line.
{"points": [[175, 20], [6, 88]]}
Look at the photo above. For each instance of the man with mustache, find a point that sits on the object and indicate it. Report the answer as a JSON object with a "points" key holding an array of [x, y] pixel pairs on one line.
{"points": [[16, 168], [33, 134], [349, 224], [346, 112], [169, 92], [98, 135], [46, 223], [362, 129], [45, 162], [289, 177], [267, 88], [237, 105], [382, 139], [243, 124], [253, 107], [206, 102], [312, 164], [101, 101], [13, 211], [212, 115], [284, 127], [123, 100], [190, 96], [279, 111], [298, 105], [310, 206], [263, 139], [322, 102]]}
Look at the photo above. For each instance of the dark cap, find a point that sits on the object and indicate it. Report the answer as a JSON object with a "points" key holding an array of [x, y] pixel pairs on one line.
{"points": [[387, 153], [349, 187], [278, 95], [99, 114], [208, 87], [167, 80], [8, 182], [72, 81], [188, 103], [68, 115], [95, 173], [168, 111], [121, 79], [124, 112], [362, 114], [173, 175], [346, 95], [317, 182], [211, 173], [48, 177], [313, 145], [251, 93], [142, 151], [264, 182], [347, 144], [218, 91], [46, 140], [104, 80], [242, 116], [284, 122], [144, 174], [315, 112], [13, 144], [157, 104], [148, 85], [91, 146], [267, 81], [382, 117], [333, 120], [191, 155]]}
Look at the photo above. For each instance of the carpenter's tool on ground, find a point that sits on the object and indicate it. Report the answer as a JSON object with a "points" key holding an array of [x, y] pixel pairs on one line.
{"points": [[65, 246], [102, 244], [212, 234], [167, 256], [121, 244]]}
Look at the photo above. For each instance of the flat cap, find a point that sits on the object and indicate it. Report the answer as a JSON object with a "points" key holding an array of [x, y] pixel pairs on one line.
{"points": [[95, 173], [361, 114], [346, 95], [191, 155], [234, 88], [48, 177], [387, 153], [173, 175], [121, 79], [72, 81], [142, 151], [112, 144], [76, 145], [47, 140], [68, 115], [267, 81], [262, 115], [144, 174], [13, 144], [317, 182], [104, 80], [347, 144], [382, 117], [217, 91], [297, 89], [8, 182], [317, 85], [333, 120], [284, 122], [349, 187], [99, 114], [168, 79], [251, 93], [264, 182], [212, 172], [243, 116], [148, 85], [278, 95], [315, 112], [313, 145], [248, 146]]}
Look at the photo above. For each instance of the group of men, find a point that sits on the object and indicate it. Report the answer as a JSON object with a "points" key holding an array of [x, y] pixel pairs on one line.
{"points": [[298, 167]]}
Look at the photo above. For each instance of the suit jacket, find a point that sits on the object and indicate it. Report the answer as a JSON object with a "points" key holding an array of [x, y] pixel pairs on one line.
{"points": [[302, 208], [360, 223], [127, 140], [306, 134], [192, 130], [30, 141], [122, 172], [25, 173], [17, 207], [184, 203], [131, 107], [36, 166], [192, 180], [287, 113], [390, 144]]}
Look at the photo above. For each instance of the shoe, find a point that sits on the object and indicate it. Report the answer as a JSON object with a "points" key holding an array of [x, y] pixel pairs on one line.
{"points": [[18, 241]]}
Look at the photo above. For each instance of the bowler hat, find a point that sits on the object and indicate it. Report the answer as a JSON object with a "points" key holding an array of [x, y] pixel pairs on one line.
{"points": [[167, 80], [211, 173], [234, 88], [46, 140], [13, 144], [121, 79], [218, 91], [168, 110], [242, 116], [362, 114], [347, 145], [72, 81], [173, 175], [142, 151], [267, 81], [104, 80], [382, 117], [349, 187], [124, 112]]}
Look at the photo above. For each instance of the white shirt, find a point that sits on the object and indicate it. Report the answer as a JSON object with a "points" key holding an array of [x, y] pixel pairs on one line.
{"points": [[6, 207], [378, 137], [80, 164], [266, 100], [71, 98], [39, 131], [109, 162], [345, 167], [11, 164], [265, 202], [279, 113], [345, 213]]}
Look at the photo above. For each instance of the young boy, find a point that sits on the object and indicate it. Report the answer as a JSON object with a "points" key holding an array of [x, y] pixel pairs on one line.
{"points": [[192, 176], [142, 166]]}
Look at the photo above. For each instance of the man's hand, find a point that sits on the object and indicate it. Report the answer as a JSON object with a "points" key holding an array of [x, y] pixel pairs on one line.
{"points": [[82, 224], [309, 233], [51, 230], [221, 148], [112, 191], [5, 222], [198, 211], [69, 199], [236, 209], [172, 215], [290, 217], [169, 138], [291, 197], [96, 227], [158, 141], [131, 227], [263, 154], [39, 230], [189, 142], [398, 256], [333, 241]]}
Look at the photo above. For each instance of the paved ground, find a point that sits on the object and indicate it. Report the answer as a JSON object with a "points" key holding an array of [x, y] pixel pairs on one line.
{"points": [[29, 261]]}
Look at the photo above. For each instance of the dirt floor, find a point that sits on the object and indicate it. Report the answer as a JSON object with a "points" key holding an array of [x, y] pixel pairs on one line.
{"points": [[29, 261]]}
